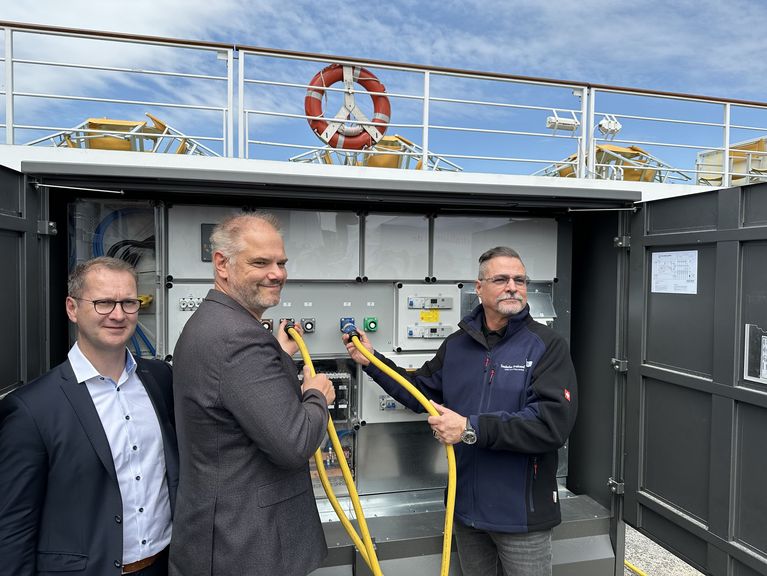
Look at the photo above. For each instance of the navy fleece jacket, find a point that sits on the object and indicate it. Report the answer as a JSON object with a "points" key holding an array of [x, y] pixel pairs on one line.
{"points": [[521, 398]]}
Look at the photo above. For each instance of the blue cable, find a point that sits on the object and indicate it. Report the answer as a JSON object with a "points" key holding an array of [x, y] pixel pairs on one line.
{"points": [[98, 250], [146, 340], [98, 233], [136, 346]]}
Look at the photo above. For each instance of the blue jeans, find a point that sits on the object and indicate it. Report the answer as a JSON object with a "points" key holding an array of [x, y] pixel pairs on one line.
{"points": [[485, 553]]}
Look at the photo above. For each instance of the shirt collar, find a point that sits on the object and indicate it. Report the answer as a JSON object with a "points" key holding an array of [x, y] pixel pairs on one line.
{"points": [[84, 370]]}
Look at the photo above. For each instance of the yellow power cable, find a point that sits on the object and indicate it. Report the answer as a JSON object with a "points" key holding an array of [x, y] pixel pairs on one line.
{"points": [[364, 544], [633, 568], [450, 452]]}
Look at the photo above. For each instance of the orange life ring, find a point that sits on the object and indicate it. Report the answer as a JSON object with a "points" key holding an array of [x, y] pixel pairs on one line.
{"points": [[355, 137]]}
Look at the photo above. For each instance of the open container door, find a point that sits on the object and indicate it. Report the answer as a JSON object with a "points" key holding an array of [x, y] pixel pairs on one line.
{"points": [[22, 292], [696, 417]]}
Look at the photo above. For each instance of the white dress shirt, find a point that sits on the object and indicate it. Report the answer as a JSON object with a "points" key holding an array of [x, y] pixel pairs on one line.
{"points": [[135, 439]]}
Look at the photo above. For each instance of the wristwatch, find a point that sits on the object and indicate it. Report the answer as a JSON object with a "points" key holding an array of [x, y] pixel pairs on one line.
{"points": [[469, 435]]}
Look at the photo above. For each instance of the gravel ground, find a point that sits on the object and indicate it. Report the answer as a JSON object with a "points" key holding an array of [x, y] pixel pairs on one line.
{"points": [[652, 559]]}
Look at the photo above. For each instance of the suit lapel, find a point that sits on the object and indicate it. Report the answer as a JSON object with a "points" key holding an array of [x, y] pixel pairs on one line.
{"points": [[82, 404]]}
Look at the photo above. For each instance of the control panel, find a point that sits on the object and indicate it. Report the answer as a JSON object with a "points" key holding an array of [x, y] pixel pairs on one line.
{"points": [[376, 406], [321, 309], [426, 315]]}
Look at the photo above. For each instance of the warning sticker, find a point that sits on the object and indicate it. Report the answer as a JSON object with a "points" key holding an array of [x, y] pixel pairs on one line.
{"points": [[429, 315]]}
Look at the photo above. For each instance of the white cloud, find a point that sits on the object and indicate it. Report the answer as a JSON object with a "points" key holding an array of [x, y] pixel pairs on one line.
{"points": [[704, 46]]}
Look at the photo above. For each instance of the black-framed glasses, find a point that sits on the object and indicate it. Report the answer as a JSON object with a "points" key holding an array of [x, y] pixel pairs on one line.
{"points": [[503, 279], [104, 307]]}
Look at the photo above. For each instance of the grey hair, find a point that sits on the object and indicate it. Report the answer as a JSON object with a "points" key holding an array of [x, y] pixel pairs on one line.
{"points": [[76, 283], [227, 235], [497, 252]]}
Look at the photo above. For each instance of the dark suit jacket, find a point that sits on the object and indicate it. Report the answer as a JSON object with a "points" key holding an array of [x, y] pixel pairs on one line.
{"points": [[60, 503], [246, 433]]}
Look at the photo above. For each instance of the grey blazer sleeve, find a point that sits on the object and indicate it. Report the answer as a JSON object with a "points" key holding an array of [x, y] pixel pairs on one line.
{"points": [[260, 389]]}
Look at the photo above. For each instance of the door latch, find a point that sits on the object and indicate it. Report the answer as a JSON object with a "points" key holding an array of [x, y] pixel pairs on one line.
{"points": [[615, 486]]}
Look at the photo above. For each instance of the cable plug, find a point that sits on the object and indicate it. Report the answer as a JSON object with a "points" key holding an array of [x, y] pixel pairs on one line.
{"points": [[289, 324], [350, 329]]}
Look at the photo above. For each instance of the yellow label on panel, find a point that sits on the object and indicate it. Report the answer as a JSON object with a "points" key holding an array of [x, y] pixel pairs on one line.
{"points": [[429, 315]]}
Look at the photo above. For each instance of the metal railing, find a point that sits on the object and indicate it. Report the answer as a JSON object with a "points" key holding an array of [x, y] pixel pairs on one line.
{"points": [[452, 119]]}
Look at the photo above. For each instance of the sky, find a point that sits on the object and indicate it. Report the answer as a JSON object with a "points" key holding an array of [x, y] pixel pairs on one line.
{"points": [[704, 47]]}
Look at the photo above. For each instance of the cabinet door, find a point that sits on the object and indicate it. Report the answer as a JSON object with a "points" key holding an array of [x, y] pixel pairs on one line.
{"points": [[696, 418], [22, 292]]}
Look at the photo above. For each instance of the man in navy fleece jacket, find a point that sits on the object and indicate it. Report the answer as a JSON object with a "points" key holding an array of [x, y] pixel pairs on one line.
{"points": [[505, 388]]}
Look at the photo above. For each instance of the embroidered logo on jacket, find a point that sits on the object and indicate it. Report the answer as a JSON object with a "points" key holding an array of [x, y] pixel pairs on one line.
{"points": [[517, 367]]}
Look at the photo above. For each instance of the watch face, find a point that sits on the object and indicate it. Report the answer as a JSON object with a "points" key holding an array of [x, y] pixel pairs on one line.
{"points": [[469, 437]]}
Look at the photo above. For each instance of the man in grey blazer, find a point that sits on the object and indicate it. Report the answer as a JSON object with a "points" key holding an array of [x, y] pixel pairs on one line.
{"points": [[246, 425], [88, 461]]}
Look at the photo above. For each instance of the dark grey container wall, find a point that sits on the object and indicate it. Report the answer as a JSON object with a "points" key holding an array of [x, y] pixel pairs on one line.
{"points": [[10, 310], [680, 327], [755, 205], [695, 429], [22, 293]]}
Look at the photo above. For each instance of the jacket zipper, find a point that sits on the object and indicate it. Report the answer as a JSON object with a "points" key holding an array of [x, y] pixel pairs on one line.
{"points": [[481, 406], [533, 478]]}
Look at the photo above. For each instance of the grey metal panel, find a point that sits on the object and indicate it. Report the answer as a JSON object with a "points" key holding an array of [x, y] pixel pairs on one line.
{"points": [[592, 345], [755, 205], [694, 429], [396, 247], [751, 470], [685, 544], [675, 215], [319, 245], [23, 295], [589, 556], [459, 241], [675, 468], [580, 544], [739, 569], [399, 456], [251, 175], [680, 327], [325, 302], [11, 307], [10, 192], [754, 285]]}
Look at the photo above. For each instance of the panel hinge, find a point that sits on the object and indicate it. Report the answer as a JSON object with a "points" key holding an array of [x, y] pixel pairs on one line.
{"points": [[47, 228], [622, 242], [615, 486], [620, 365]]}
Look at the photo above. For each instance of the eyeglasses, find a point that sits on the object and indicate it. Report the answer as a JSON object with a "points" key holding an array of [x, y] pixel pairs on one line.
{"points": [[503, 280], [104, 307]]}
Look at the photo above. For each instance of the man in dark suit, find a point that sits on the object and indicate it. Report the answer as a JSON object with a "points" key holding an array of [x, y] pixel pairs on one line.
{"points": [[88, 456], [246, 425]]}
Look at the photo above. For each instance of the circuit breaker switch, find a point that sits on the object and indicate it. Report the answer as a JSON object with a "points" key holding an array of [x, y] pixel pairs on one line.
{"points": [[429, 331], [430, 302]]}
